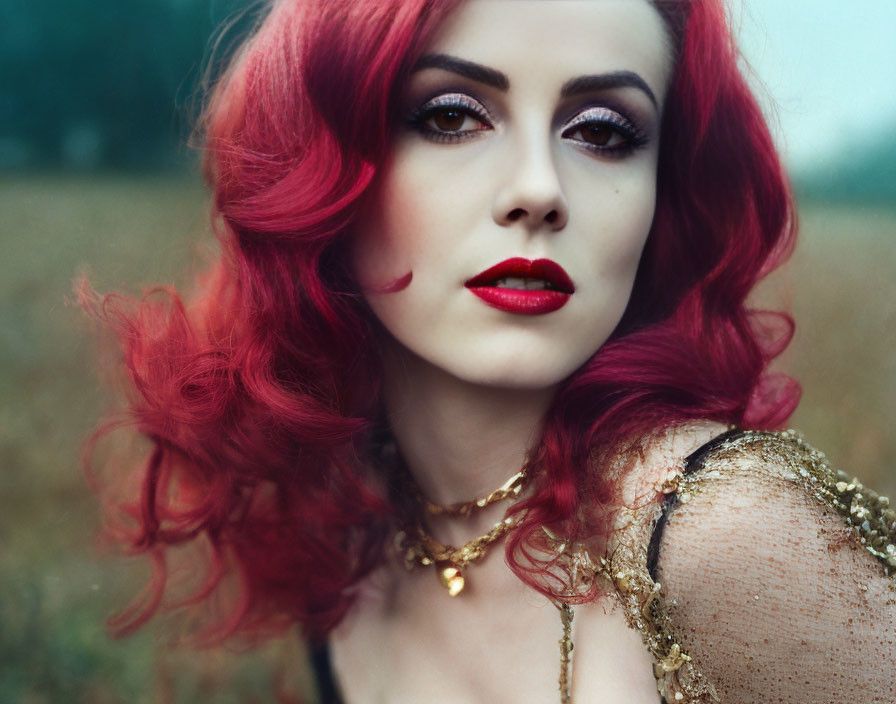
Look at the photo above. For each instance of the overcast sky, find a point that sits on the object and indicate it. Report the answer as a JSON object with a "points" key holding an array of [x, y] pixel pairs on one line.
{"points": [[829, 67]]}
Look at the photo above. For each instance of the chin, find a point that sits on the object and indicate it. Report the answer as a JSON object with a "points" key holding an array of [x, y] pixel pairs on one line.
{"points": [[527, 371], [523, 360]]}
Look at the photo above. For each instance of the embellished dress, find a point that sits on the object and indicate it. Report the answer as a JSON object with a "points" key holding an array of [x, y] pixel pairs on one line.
{"points": [[759, 574]]}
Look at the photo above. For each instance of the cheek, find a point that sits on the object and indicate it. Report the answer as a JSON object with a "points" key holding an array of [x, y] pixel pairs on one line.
{"points": [[390, 230], [413, 223], [635, 231], [382, 250], [621, 223]]}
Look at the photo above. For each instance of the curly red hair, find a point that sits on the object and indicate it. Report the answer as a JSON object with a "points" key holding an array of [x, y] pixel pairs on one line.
{"points": [[261, 396]]}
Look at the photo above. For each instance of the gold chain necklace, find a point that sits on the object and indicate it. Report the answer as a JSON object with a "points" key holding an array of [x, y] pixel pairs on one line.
{"points": [[420, 549], [510, 489]]}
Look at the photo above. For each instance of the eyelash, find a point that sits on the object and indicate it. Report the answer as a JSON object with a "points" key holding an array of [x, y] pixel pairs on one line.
{"points": [[450, 102], [633, 137]]}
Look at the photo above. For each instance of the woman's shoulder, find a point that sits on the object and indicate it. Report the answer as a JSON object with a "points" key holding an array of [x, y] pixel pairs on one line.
{"points": [[757, 482], [775, 573]]}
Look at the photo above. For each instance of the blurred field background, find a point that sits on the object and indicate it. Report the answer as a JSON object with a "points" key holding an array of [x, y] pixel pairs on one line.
{"points": [[94, 179]]}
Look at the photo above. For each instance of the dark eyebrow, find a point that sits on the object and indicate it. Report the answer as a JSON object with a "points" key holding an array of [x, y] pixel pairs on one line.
{"points": [[607, 81], [574, 86], [468, 69]]}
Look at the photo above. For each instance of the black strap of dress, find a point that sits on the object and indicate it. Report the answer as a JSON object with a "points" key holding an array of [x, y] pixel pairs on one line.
{"points": [[322, 667], [692, 463]]}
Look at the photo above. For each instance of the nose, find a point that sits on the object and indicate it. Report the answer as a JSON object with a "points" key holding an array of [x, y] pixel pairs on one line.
{"points": [[532, 193]]}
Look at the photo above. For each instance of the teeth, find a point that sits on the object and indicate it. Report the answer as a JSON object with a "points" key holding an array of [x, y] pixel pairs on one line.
{"points": [[523, 284]]}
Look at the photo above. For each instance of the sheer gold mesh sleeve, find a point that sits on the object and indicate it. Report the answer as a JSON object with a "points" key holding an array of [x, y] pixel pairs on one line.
{"points": [[775, 577]]}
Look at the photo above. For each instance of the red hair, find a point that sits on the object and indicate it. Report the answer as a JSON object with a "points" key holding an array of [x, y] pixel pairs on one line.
{"points": [[261, 396]]}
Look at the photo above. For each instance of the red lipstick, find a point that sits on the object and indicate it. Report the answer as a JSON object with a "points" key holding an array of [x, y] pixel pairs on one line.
{"points": [[523, 287]]}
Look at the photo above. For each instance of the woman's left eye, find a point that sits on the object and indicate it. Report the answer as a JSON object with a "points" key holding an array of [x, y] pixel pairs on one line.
{"points": [[605, 131]]}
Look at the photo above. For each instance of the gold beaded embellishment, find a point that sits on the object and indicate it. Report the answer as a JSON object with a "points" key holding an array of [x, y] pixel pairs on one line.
{"points": [[575, 568], [566, 646], [678, 680], [868, 514]]}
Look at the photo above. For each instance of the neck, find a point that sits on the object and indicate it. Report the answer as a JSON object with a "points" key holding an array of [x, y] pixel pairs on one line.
{"points": [[460, 440]]}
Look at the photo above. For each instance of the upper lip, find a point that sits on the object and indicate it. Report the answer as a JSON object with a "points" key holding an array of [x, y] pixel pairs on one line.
{"points": [[518, 267]]}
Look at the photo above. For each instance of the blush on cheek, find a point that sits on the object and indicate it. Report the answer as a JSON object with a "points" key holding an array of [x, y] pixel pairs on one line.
{"points": [[394, 286]]}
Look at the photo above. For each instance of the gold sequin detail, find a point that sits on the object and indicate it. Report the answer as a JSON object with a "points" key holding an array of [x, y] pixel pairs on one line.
{"points": [[868, 514], [678, 680]]}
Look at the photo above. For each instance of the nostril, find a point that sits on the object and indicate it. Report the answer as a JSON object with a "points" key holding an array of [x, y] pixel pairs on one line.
{"points": [[551, 217], [516, 214]]}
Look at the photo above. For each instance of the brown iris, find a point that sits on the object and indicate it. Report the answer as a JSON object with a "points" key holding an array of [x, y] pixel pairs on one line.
{"points": [[449, 120], [600, 135]]}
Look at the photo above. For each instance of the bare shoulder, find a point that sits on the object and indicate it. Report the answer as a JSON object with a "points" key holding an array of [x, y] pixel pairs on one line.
{"points": [[775, 572], [662, 456]]}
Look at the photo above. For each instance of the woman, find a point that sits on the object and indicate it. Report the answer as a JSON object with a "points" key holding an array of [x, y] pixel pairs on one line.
{"points": [[482, 291]]}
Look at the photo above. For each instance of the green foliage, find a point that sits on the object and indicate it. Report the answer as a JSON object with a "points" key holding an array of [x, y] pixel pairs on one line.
{"points": [[53, 649]]}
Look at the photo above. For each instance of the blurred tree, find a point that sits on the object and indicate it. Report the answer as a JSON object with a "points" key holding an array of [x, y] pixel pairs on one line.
{"points": [[863, 173], [105, 83]]}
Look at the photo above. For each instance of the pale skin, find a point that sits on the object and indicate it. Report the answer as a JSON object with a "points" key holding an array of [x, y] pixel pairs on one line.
{"points": [[467, 385]]}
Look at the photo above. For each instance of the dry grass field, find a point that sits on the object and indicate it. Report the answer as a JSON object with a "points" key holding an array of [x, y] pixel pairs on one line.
{"points": [[841, 288], [126, 231]]}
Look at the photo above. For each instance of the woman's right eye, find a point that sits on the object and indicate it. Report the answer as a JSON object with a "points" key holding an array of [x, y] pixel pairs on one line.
{"points": [[451, 118]]}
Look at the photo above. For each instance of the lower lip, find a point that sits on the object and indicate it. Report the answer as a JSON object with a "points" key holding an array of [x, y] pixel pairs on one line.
{"points": [[529, 302]]}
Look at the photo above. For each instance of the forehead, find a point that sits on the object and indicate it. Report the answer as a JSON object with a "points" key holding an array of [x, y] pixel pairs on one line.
{"points": [[557, 39]]}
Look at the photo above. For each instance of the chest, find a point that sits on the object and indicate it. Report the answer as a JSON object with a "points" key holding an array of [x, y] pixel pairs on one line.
{"points": [[506, 650]]}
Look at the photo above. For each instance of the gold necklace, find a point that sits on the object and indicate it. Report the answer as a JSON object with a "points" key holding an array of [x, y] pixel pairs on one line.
{"points": [[420, 549], [511, 489]]}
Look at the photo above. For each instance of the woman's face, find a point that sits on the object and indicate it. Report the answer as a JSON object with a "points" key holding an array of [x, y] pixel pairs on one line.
{"points": [[520, 190]]}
